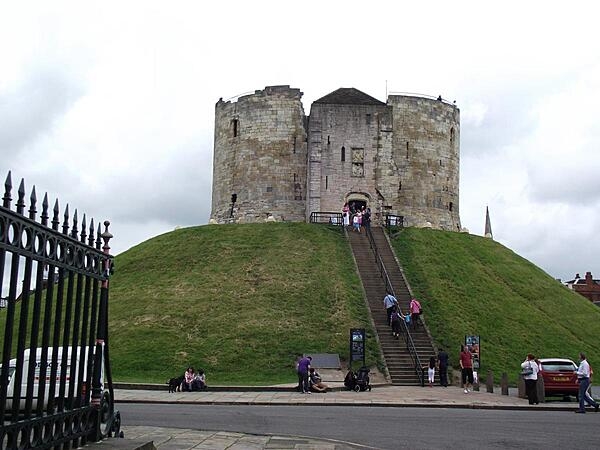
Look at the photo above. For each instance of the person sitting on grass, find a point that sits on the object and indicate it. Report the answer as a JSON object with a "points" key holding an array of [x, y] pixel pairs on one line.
{"points": [[315, 381]]}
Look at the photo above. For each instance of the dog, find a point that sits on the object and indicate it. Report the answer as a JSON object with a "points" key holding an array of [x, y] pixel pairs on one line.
{"points": [[175, 384]]}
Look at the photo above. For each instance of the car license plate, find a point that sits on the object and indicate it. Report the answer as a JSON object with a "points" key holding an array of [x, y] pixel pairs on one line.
{"points": [[560, 378]]}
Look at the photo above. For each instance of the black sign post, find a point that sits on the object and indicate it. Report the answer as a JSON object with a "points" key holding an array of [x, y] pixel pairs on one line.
{"points": [[357, 345], [473, 344]]}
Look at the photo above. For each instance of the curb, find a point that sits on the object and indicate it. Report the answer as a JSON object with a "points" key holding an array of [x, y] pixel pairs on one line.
{"points": [[359, 404]]}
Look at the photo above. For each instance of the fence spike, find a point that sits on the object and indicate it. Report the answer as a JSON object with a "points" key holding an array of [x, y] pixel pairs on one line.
{"points": [[7, 189], [21, 199], [65, 227], [55, 219], [99, 237], [44, 215], [32, 204], [74, 229], [83, 235], [91, 237]]}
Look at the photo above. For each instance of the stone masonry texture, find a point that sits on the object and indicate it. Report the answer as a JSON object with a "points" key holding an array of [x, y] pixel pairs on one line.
{"points": [[400, 157]]}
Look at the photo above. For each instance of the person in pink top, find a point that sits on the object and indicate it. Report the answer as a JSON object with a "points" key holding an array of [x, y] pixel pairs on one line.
{"points": [[415, 312]]}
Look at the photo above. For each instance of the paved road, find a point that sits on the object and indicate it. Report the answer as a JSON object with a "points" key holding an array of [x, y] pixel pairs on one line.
{"points": [[381, 427]]}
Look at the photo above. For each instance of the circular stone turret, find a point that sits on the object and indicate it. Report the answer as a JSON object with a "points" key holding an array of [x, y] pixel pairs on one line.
{"points": [[259, 166], [425, 160]]}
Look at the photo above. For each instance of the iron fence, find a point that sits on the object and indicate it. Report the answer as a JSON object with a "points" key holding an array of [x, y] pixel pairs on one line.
{"points": [[331, 218], [55, 378], [392, 221]]}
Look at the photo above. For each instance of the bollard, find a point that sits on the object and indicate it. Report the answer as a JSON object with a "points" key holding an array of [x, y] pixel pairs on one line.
{"points": [[521, 387], [541, 390], [489, 382], [504, 383]]}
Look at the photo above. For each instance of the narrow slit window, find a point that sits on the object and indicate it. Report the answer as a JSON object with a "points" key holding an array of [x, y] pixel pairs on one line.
{"points": [[295, 178], [294, 144], [452, 135], [450, 206], [328, 140], [343, 153], [234, 124], [326, 182], [406, 149]]}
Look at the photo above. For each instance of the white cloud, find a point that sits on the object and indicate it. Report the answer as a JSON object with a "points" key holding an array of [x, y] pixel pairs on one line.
{"points": [[110, 106]]}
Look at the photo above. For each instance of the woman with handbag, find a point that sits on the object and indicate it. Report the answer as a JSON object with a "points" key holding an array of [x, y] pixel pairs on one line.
{"points": [[529, 372]]}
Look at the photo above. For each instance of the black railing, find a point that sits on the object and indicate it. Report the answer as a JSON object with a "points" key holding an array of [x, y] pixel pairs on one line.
{"points": [[331, 218], [410, 345], [393, 220], [55, 380]]}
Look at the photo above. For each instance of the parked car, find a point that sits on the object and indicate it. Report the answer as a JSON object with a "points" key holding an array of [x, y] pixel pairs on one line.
{"points": [[560, 377]]}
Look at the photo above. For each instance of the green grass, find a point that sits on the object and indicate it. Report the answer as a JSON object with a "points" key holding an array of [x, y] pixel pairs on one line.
{"points": [[240, 301], [473, 285]]}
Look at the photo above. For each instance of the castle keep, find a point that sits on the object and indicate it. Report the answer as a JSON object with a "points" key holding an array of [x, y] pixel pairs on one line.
{"points": [[273, 162]]}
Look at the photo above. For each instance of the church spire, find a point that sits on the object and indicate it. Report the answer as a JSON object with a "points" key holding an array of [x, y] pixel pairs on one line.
{"points": [[488, 224]]}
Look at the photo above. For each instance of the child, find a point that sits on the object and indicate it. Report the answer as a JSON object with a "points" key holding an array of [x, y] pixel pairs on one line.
{"points": [[356, 222], [431, 370], [395, 318], [407, 319]]}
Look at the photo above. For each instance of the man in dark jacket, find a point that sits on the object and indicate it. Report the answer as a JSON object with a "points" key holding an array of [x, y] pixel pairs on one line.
{"points": [[443, 367]]}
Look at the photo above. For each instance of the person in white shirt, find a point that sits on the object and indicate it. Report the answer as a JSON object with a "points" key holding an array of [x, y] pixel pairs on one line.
{"points": [[531, 379], [389, 302], [583, 378]]}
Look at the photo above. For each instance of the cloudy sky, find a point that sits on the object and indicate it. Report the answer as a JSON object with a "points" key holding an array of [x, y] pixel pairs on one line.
{"points": [[110, 107]]}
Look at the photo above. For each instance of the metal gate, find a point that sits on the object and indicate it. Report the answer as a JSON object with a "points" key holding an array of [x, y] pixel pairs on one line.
{"points": [[55, 380]]}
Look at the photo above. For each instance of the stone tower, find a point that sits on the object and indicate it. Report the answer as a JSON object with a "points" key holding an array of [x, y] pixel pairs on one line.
{"points": [[399, 157], [260, 157]]}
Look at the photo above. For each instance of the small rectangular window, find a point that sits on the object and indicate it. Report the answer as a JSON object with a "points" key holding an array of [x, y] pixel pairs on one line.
{"points": [[343, 154], [269, 188], [234, 124]]}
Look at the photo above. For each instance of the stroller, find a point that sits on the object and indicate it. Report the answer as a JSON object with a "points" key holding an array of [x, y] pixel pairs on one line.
{"points": [[363, 382], [358, 381]]}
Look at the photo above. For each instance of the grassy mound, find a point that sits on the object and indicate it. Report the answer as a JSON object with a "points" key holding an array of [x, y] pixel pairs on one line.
{"points": [[470, 285], [240, 301]]}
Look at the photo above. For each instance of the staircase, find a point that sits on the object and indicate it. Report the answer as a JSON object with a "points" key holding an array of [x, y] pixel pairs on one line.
{"points": [[398, 360]]}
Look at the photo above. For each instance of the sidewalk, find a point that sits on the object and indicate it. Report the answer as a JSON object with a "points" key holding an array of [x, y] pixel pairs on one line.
{"points": [[150, 438], [381, 395]]}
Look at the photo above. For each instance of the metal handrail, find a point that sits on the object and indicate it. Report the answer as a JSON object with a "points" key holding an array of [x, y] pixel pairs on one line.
{"points": [[331, 218], [410, 345], [391, 220]]}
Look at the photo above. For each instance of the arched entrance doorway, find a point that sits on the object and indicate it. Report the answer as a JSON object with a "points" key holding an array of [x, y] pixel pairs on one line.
{"points": [[356, 200]]}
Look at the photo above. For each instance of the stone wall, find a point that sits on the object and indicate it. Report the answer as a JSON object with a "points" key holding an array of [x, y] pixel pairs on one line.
{"points": [[400, 158], [426, 158], [344, 141], [260, 155]]}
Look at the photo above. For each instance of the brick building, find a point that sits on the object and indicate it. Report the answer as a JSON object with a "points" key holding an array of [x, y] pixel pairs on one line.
{"points": [[588, 287]]}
